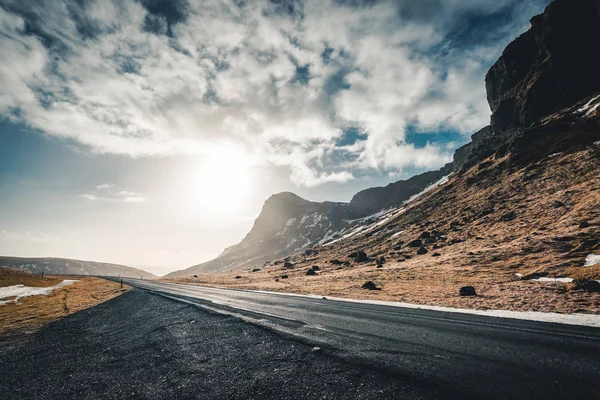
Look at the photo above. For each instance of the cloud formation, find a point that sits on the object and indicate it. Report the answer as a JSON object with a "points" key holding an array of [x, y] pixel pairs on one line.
{"points": [[286, 81], [106, 193]]}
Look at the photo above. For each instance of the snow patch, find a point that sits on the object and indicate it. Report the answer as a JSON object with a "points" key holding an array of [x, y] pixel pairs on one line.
{"points": [[20, 291], [589, 107], [592, 259], [290, 221], [396, 234], [429, 188], [546, 279]]}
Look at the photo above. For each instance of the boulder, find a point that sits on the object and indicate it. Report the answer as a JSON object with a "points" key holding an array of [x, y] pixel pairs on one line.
{"points": [[316, 267], [336, 262], [379, 263], [425, 235], [467, 291], [584, 224], [238, 277], [415, 243], [284, 276], [287, 264], [436, 255], [558, 204], [369, 286], [422, 250], [311, 271], [256, 270], [195, 276], [361, 257], [585, 284]]}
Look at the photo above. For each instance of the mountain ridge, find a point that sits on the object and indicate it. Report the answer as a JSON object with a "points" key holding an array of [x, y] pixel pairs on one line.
{"points": [[68, 266]]}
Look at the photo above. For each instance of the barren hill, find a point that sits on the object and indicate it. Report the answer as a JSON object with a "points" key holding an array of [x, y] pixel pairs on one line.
{"points": [[65, 266]]}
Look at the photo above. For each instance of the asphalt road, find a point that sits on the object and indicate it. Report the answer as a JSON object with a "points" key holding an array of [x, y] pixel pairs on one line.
{"points": [[167, 341], [457, 355]]}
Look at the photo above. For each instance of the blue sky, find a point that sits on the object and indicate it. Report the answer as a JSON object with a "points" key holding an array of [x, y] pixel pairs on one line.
{"points": [[150, 132]]}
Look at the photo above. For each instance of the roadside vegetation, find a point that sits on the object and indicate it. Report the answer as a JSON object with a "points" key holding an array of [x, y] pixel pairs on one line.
{"points": [[31, 313]]}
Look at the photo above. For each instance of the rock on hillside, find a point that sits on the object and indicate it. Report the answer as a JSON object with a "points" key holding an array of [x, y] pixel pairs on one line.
{"points": [[67, 266]]}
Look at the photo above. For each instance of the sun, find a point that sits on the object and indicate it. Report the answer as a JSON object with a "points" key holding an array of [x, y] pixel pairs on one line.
{"points": [[222, 181]]}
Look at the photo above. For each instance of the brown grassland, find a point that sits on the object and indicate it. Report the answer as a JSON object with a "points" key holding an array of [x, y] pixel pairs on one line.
{"points": [[31, 313]]}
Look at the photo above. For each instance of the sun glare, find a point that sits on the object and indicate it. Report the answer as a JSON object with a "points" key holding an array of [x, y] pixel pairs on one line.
{"points": [[222, 182]]}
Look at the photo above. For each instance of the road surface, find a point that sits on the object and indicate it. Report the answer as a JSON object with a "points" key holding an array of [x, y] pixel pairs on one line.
{"points": [[167, 341], [458, 354]]}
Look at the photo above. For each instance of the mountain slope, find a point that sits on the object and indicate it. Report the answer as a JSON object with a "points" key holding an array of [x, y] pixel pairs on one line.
{"points": [[66, 266], [521, 207]]}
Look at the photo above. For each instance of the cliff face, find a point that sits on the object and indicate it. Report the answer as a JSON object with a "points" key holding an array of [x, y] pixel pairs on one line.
{"points": [[548, 68], [537, 87]]}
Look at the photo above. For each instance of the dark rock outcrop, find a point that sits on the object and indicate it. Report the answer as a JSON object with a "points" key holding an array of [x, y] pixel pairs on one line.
{"points": [[551, 66], [586, 285], [467, 291], [415, 243], [370, 286]]}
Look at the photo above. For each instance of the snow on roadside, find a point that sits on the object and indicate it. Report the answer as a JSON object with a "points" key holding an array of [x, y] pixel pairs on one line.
{"points": [[566, 319], [546, 279], [592, 259], [20, 291]]}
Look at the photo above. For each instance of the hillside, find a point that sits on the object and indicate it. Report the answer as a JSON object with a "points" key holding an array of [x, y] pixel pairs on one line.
{"points": [[518, 218], [65, 266]]}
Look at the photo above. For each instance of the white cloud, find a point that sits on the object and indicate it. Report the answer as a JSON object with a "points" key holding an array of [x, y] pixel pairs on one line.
{"points": [[105, 193], [227, 74]]}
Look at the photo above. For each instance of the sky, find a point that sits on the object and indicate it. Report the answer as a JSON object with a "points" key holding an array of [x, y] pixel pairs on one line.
{"points": [[150, 132]]}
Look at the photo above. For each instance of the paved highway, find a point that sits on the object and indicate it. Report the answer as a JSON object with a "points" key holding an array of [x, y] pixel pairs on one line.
{"points": [[460, 355]]}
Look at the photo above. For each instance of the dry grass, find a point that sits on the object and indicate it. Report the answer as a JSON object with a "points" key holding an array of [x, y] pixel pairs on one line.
{"points": [[11, 277], [544, 237], [33, 312]]}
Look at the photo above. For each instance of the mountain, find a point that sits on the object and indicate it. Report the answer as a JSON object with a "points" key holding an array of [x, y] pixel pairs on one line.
{"points": [[541, 146], [65, 266], [288, 224]]}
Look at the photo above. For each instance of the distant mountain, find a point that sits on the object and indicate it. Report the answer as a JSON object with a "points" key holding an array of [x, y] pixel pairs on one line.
{"points": [[544, 93], [66, 266], [286, 224]]}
